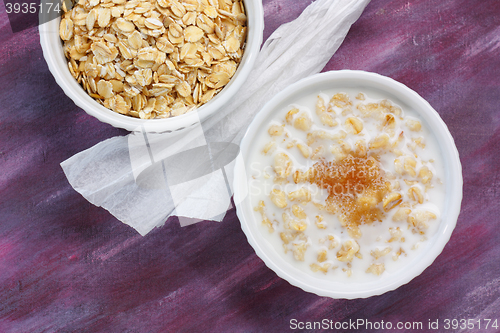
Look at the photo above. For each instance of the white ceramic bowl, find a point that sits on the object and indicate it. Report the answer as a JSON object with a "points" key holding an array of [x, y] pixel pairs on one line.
{"points": [[401, 95], [54, 56]]}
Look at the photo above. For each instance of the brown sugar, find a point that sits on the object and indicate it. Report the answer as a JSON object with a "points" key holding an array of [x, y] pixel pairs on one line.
{"points": [[356, 186]]}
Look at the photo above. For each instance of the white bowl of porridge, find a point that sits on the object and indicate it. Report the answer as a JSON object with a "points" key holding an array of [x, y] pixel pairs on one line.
{"points": [[349, 184]]}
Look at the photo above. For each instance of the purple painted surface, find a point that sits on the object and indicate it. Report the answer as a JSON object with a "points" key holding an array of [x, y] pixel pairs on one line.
{"points": [[66, 265]]}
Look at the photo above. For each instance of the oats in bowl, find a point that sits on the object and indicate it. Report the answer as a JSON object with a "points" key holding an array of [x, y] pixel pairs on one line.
{"points": [[341, 189], [154, 59], [348, 185]]}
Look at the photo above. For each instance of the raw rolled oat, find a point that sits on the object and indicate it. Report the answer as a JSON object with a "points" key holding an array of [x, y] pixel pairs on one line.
{"points": [[153, 59]]}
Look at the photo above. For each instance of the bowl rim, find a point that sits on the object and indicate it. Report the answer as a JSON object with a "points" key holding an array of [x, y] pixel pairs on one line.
{"points": [[49, 33], [451, 163]]}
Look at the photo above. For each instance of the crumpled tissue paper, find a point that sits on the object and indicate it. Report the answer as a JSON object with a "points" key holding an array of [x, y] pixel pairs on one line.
{"points": [[144, 178]]}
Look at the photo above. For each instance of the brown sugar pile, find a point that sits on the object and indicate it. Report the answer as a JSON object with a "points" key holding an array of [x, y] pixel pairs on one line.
{"points": [[356, 186]]}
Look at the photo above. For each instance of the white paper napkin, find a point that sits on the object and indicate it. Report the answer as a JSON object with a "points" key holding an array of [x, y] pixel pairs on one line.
{"points": [[144, 178]]}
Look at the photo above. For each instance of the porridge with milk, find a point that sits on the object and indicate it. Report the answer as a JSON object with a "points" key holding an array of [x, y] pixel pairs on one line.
{"points": [[346, 184]]}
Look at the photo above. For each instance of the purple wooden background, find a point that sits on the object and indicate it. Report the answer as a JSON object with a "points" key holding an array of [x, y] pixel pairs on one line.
{"points": [[66, 265]]}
